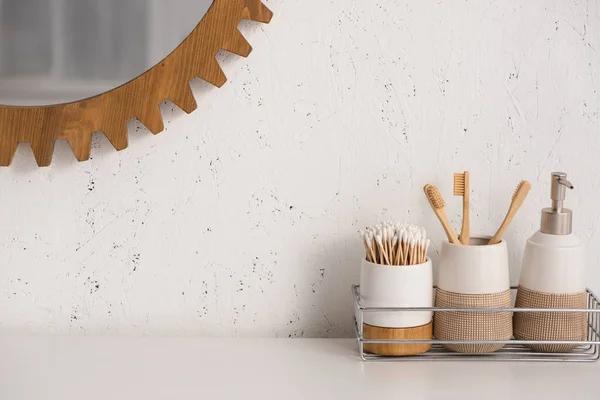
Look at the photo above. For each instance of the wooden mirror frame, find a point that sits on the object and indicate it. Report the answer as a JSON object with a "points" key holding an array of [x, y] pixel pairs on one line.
{"points": [[109, 112]]}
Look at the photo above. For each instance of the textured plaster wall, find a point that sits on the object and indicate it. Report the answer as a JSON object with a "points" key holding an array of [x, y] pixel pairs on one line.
{"points": [[241, 218]]}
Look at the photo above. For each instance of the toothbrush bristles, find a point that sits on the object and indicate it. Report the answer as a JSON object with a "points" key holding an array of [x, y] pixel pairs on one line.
{"points": [[459, 184], [434, 196], [517, 188]]}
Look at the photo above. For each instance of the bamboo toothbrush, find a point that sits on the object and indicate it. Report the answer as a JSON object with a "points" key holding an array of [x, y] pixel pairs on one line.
{"points": [[437, 204], [518, 198], [462, 188]]}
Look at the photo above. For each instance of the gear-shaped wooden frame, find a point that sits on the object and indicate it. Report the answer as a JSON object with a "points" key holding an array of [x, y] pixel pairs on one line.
{"points": [[109, 112]]}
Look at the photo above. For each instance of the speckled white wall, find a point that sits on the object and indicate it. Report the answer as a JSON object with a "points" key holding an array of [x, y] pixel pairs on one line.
{"points": [[241, 218]]}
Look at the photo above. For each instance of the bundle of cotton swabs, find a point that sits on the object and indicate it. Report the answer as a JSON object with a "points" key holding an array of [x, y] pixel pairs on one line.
{"points": [[395, 244]]}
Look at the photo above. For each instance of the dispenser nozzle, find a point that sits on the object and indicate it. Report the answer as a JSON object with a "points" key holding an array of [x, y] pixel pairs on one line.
{"points": [[558, 186], [566, 183], [557, 220]]}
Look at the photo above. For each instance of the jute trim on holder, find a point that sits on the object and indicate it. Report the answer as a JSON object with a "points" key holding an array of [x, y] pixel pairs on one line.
{"points": [[457, 325], [550, 325]]}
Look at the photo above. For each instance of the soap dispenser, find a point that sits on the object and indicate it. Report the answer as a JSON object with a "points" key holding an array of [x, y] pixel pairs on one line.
{"points": [[553, 276]]}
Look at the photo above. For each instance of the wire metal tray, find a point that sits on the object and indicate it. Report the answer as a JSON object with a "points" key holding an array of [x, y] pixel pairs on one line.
{"points": [[514, 350]]}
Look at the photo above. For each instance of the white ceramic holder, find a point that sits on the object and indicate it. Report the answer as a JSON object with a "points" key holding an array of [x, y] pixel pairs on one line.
{"points": [[396, 286], [473, 276], [474, 269]]}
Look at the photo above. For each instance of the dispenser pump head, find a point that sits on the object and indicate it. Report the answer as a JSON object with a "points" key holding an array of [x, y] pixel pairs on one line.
{"points": [[557, 220]]}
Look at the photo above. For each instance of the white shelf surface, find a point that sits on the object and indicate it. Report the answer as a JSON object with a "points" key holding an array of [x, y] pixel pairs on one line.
{"points": [[89, 368]]}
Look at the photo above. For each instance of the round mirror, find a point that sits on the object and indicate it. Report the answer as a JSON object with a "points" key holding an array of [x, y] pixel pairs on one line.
{"points": [[59, 51], [72, 68]]}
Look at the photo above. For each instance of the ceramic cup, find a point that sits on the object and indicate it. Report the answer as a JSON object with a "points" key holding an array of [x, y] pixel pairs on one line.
{"points": [[473, 276], [397, 286]]}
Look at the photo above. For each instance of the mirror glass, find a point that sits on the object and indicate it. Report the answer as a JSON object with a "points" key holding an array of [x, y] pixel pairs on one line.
{"points": [[57, 51]]}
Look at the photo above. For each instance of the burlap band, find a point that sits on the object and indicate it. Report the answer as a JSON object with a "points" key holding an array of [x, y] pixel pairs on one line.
{"points": [[550, 325], [457, 325]]}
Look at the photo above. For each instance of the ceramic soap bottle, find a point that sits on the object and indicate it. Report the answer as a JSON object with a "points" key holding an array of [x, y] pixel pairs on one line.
{"points": [[553, 276]]}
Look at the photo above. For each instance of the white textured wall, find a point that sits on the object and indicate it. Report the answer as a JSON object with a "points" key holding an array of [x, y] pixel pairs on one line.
{"points": [[241, 218]]}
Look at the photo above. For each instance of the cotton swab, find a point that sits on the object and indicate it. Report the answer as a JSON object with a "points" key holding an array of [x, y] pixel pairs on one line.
{"points": [[390, 243]]}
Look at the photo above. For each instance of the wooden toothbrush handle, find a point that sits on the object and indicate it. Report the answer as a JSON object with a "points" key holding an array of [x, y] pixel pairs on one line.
{"points": [[452, 238], [497, 238], [465, 233], [516, 203]]}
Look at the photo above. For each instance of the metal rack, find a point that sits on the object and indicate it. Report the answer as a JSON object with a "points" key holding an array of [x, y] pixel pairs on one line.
{"points": [[514, 350]]}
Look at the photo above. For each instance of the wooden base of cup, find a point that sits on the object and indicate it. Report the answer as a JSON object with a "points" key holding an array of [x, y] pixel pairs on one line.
{"points": [[385, 349]]}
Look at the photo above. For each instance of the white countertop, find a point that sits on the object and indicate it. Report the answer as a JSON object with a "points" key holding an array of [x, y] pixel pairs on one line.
{"points": [[113, 368]]}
